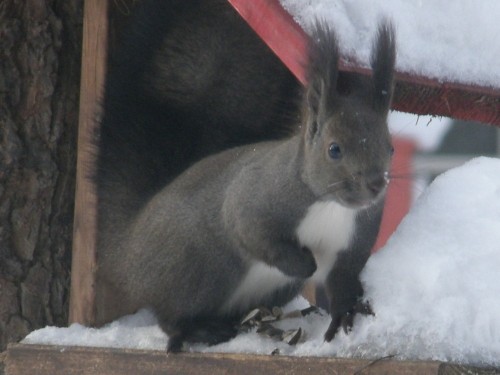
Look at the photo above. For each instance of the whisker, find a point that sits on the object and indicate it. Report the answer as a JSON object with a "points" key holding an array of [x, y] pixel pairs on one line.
{"points": [[402, 176], [337, 183]]}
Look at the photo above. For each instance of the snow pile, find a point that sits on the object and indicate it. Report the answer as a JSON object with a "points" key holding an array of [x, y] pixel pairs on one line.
{"points": [[138, 331], [434, 288], [448, 40], [435, 285]]}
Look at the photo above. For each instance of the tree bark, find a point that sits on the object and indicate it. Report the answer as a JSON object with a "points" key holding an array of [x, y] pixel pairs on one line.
{"points": [[40, 53]]}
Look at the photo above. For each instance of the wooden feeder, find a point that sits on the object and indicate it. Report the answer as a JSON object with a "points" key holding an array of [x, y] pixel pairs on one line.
{"points": [[276, 27]]}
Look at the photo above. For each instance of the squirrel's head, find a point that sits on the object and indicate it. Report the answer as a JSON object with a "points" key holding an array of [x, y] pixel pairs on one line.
{"points": [[347, 144]]}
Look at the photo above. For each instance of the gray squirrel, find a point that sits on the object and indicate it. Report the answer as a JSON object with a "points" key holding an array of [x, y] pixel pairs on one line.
{"points": [[247, 226]]}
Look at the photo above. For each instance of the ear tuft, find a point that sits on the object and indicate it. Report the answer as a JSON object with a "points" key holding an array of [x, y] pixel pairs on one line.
{"points": [[322, 73], [383, 59]]}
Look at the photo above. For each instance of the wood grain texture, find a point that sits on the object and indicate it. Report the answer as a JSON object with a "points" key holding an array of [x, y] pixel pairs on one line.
{"points": [[95, 31], [58, 360], [53, 360]]}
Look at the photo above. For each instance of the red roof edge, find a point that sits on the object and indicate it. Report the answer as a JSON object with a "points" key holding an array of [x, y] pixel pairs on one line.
{"points": [[415, 94]]}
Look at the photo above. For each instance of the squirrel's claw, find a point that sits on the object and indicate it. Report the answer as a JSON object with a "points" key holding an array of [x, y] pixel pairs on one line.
{"points": [[346, 319]]}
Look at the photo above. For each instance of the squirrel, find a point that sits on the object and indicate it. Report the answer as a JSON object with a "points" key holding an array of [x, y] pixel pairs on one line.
{"points": [[206, 209]]}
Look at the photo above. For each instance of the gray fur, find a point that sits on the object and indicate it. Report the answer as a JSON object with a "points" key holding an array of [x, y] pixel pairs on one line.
{"points": [[191, 245]]}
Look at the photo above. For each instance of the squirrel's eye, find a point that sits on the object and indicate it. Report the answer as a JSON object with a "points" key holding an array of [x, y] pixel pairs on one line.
{"points": [[334, 151]]}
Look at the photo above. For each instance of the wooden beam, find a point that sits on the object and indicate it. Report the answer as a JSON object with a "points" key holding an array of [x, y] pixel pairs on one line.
{"points": [[58, 360], [95, 32], [425, 96], [419, 95]]}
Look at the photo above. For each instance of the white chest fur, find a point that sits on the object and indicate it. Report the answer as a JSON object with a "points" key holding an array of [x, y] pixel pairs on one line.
{"points": [[259, 281], [326, 229]]}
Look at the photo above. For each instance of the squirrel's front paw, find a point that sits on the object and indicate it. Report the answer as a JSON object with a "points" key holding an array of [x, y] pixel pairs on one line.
{"points": [[346, 319], [299, 263]]}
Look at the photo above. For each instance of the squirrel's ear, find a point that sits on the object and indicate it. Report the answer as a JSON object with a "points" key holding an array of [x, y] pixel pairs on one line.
{"points": [[383, 58], [322, 74]]}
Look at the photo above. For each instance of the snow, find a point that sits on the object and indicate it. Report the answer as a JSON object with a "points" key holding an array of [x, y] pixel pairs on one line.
{"points": [[447, 40], [434, 288]]}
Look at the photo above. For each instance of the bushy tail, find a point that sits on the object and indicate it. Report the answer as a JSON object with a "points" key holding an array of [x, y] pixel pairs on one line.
{"points": [[190, 79]]}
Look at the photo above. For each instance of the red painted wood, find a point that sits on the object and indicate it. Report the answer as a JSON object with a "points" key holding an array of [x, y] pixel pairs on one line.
{"points": [[399, 193], [420, 95]]}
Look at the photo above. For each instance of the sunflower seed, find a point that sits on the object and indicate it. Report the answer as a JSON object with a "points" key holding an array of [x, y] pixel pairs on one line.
{"points": [[292, 337], [251, 316]]}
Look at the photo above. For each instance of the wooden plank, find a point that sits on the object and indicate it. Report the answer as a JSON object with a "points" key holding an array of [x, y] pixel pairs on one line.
{"points": [[426, 96], [58, 360], [84, 231], [419, 95]]}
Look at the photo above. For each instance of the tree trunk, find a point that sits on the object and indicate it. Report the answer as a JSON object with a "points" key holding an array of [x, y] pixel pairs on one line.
{"points": [[40, 44]]}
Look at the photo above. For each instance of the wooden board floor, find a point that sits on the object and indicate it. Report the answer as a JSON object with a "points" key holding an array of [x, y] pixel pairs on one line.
{"points": [[24, 359]]}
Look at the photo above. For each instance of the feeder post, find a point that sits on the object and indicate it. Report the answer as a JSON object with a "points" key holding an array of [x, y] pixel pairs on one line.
{"points": [[83, 269]]}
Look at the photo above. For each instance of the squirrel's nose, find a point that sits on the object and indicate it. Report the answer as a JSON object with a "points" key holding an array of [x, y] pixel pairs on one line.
{"points": [[377, 182]]}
